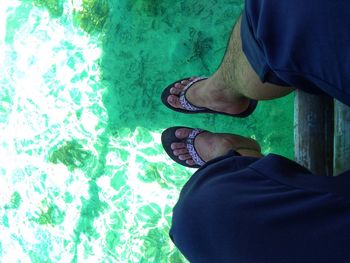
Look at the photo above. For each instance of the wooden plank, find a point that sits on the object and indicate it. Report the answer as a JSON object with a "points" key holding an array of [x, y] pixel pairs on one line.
{"points": [[341, 138], [313, 132]]}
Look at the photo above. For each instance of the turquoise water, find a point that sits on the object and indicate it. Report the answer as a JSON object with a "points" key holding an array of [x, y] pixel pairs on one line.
{"points": [[83, 175]]}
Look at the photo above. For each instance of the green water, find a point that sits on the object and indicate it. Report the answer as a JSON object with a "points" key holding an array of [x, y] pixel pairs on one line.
{"points": [[83, 175]]}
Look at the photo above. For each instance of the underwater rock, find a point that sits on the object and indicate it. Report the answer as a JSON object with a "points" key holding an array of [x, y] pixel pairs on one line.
{"points": [[71, 154], [93, 15], [15, 200], [51, 215]]}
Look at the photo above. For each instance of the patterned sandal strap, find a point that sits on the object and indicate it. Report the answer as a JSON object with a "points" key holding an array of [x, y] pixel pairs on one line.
{"points": [[191, 149], [184, 102]]}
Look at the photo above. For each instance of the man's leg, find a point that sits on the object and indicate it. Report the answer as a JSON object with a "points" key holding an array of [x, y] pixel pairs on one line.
{"points": [[232, 85]]}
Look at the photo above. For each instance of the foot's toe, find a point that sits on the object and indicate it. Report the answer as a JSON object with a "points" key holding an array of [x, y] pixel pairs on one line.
{"points": [[185, 82], [185, 157], [182, 133], [179, 86], [174, 101], [177, 145], [175, 91], [190, 162], [180, 151]]}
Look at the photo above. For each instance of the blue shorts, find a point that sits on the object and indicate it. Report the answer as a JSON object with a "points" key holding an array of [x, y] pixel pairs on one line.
{"points": [[303, 44], [269, 210]]}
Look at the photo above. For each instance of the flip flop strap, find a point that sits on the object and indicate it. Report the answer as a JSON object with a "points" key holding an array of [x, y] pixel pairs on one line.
{"points": [[191, 149], [183, 100]]}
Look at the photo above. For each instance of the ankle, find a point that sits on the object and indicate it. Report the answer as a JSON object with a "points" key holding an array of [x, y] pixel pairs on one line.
{"points": [[218, 92]]}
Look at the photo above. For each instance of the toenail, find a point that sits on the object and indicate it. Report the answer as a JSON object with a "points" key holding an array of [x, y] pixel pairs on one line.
{"points": [[173, 90], [189, 162], [178, 133]]}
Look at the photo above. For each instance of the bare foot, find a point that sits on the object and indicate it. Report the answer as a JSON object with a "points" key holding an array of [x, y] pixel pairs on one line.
{"points": [[208, 94], [211, 145]]}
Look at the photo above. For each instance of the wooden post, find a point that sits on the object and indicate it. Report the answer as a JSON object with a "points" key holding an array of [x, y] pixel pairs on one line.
{"points": [[313, 132], [341, 138]]}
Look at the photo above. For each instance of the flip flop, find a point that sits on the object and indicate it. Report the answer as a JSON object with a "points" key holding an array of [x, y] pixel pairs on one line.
{"points": [[168, 137], [190, 108]]}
